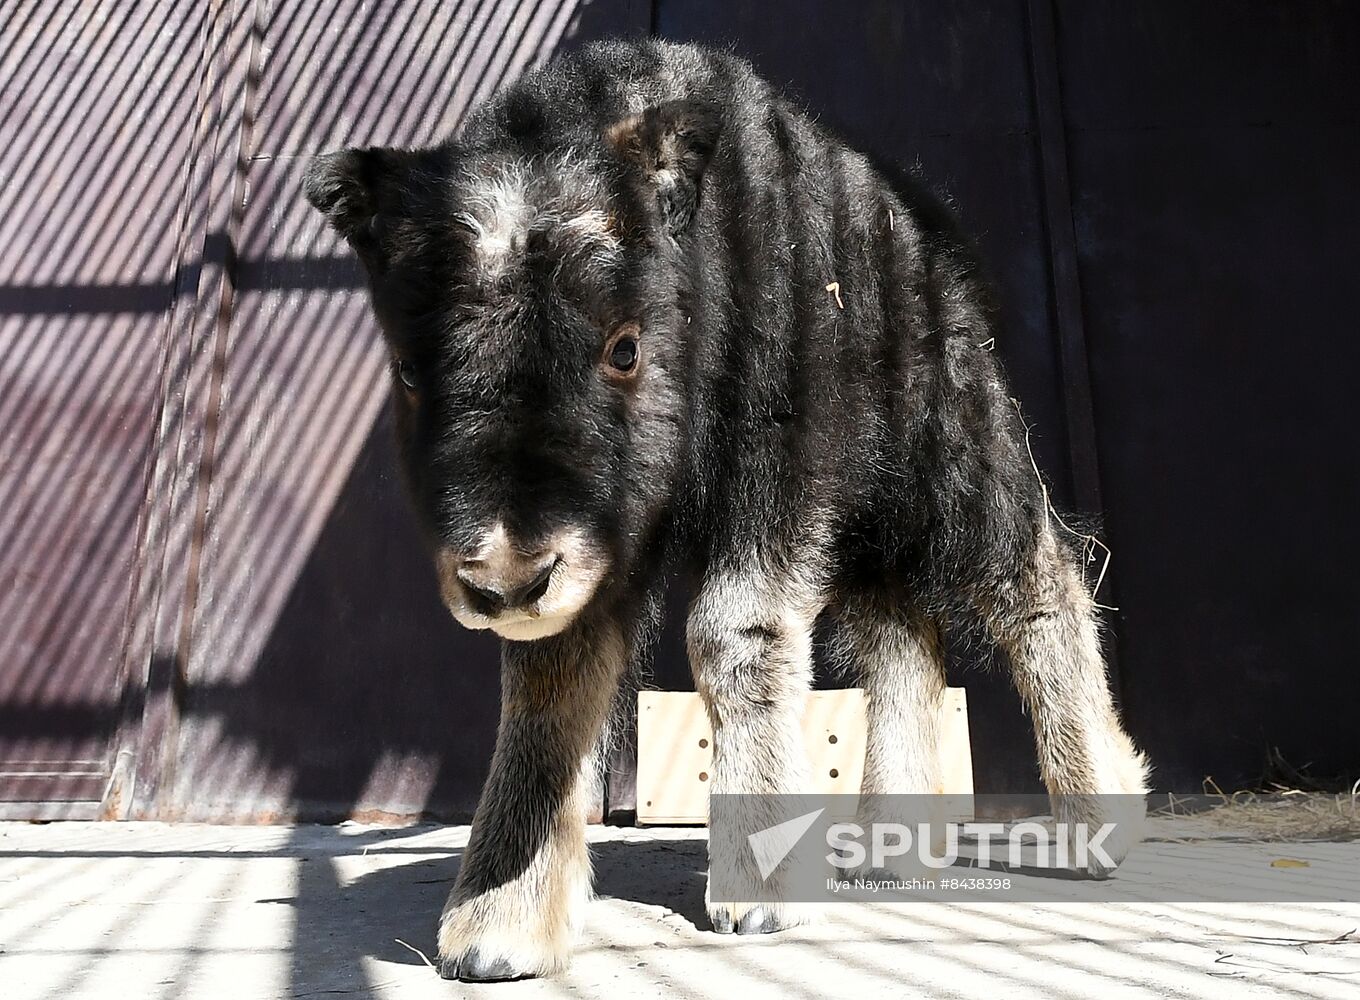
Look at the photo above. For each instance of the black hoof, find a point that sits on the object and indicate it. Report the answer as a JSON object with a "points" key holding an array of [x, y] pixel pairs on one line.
{"points": [[758, 920], [474, 967]]}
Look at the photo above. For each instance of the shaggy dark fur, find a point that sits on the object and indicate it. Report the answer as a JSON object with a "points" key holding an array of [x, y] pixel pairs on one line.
{"points": [[814, 416], [887, 420]]}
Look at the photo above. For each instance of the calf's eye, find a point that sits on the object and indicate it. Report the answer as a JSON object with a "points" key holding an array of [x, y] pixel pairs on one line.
{"points": [[406, 371], [624, 354], [621, 353]]}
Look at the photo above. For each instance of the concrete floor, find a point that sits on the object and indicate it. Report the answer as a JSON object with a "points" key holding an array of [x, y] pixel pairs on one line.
{"points": [[148, 911]]}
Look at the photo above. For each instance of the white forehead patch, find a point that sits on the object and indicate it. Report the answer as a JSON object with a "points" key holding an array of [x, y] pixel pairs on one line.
{"points": [[591, 224], [559, 198], [497, 211]]}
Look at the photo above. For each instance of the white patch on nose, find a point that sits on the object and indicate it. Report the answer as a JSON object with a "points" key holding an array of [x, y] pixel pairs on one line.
{"points": [[495, 549], [496, 536], [580, 567]]}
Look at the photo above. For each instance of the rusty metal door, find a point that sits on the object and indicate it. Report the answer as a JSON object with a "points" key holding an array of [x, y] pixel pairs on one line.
{"points": [[96, 102]]}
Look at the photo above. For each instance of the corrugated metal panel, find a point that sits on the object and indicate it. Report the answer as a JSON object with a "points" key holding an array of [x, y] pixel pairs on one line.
{"points": [[322, 673], [97, 106]]}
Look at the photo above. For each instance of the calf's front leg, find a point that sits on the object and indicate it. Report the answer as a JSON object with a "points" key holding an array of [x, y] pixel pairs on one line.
{"points": [[518, 901]]}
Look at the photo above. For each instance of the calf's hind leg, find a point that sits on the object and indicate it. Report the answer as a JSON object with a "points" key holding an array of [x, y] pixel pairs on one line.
{"points": [[1089, 764], [750, 647], [898, 658]]}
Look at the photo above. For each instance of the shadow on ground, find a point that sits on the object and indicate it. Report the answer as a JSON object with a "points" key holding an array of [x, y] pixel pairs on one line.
{"points": [[342, 921]]}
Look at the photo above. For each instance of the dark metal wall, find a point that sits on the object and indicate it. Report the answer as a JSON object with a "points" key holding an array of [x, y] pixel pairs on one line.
{"points": [[1214, 151], [214, 604]]}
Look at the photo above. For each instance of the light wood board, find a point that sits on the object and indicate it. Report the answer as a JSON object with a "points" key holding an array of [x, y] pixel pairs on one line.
{"points": [[675, 750]]}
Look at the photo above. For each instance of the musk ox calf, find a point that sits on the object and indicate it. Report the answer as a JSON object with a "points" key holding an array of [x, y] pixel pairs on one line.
{"points": [[646, 316]]}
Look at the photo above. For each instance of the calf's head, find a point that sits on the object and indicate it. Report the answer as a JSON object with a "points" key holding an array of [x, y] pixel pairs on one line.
{"points": [[532, 308]]}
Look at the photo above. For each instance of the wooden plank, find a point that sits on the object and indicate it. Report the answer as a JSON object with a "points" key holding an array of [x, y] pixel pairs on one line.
{"points": [[675, 750]]}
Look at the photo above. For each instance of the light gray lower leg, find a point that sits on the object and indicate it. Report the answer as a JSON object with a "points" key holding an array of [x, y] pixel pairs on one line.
{"points": [[519, 897], [1088, 762], [900, 664], [750, 645]]}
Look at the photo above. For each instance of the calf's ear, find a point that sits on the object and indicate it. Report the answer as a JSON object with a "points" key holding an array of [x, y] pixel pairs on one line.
{"points": [[672, 144], [353, 189]]}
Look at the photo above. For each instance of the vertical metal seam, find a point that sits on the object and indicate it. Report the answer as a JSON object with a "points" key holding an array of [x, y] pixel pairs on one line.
{"points": [[221, 351], [156, 726], [1065, 281], [155, 766]]}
